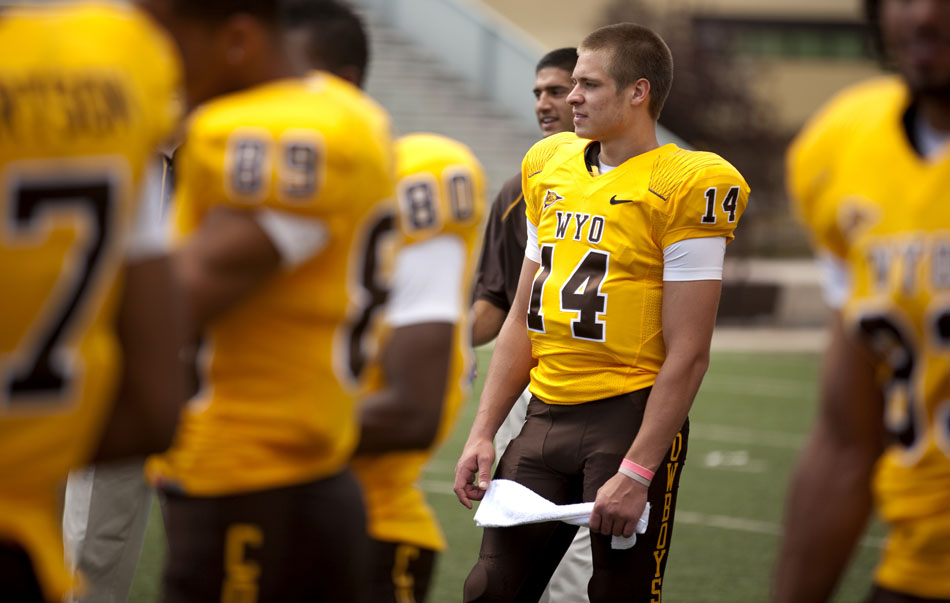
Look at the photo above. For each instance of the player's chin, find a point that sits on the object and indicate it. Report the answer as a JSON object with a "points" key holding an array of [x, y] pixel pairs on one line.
{"points": [[582, 129]]}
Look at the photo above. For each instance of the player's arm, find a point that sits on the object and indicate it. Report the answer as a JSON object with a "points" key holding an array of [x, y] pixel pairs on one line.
{"points": [[688, 316], [487, 321], [508, 375], [489, 309], [228, 257], [829, 500], [424, 308], [150, 327]]}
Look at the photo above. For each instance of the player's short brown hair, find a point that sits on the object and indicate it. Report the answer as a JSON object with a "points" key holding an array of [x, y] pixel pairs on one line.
{"points": [[635, 52]]}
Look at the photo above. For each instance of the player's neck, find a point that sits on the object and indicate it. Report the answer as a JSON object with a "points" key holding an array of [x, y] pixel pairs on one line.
{"points": [[614, 151], [272, 67], [935, 112]]}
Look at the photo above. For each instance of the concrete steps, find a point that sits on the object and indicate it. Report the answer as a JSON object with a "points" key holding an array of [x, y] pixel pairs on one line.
{"points": [[422, 96]]}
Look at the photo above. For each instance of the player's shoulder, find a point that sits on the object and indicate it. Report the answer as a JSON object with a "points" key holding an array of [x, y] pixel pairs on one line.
{"points": [[677, 169], [88, 35], [863, 104], [549, 150], [320, 102], [431, 152], [106, 29]]}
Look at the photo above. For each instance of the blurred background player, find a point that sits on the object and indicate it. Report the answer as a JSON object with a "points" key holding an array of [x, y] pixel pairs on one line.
{"points": [[275, 182], [422, 374], [419, 379], [497, 281], [870, 175], [92, 316], [611, 324]]}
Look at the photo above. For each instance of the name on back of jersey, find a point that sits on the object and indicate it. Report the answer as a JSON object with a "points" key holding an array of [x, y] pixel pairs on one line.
{"points": [[54, 105]]}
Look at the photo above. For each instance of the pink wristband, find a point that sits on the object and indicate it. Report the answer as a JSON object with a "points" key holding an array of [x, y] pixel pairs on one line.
{"points": [[638, 469]]}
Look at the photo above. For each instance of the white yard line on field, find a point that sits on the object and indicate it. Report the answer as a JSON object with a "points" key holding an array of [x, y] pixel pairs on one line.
{"points": [[740, 435], [785, 389], [722, 522]]}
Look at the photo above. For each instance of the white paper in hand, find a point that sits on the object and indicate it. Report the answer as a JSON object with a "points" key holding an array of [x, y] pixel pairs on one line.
{"points": [[507, 503]]}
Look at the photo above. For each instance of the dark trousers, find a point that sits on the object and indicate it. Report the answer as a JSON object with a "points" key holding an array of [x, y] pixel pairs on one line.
{"points": [[402, 573], [18, 582], [882, 595], [305, 542], [565, 454]]}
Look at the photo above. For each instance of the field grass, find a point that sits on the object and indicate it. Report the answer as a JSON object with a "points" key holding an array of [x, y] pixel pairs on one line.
{"points": [[748, 422]]}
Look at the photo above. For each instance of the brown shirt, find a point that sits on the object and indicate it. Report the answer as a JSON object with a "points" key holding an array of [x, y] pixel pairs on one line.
{"points": [[503, 248]]}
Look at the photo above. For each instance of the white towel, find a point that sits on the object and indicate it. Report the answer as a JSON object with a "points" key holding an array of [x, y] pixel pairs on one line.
{"points": [[507, 503]]}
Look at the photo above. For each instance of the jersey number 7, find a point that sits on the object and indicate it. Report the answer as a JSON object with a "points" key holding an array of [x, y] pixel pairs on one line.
{"points": [[43, 368]]}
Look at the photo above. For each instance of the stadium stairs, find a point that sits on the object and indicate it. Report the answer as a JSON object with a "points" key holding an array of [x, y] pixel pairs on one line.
{"points": [[422, 96]]}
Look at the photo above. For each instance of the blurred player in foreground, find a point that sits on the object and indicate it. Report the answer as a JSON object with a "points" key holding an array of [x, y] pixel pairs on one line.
{"points": [[276, 181], [871, 175], [106, 507], [420, 377], [90, 314], [612, 321], [497, 282]]}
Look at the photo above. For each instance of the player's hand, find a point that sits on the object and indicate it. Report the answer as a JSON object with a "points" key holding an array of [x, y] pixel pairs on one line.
{"points": [[473, 471], [618, 506]]}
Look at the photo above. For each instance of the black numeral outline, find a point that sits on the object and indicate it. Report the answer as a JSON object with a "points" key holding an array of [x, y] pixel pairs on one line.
{"points": [[710, 216], [535, 316], [372, 293], [48, 372], [730, 205], [590, 273], [904, 418]]}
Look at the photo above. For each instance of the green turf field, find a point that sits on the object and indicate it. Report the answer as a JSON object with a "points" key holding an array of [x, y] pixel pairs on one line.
{"points": [[747, 423]]}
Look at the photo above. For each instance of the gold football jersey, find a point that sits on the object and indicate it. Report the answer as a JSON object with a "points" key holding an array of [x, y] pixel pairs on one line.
{"points": [[868, 198], [86, 94], [276, 407], [594, 315], [440, 192]]}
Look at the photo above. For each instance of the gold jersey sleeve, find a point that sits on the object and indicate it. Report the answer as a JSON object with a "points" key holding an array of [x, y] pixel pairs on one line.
{"points": [[86, 92], [594, 314], [440, 193], [868, 197], [276, 406]]}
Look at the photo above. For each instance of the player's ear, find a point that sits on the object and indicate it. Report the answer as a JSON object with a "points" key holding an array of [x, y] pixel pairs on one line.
{"points": [[640, 92], [243, 38]]}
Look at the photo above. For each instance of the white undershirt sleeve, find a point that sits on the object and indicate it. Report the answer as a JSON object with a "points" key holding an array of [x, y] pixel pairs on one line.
{"points": [[694, 259], [149, 237], [835, 279], [296, 238], [427, 282], [531, 249]]}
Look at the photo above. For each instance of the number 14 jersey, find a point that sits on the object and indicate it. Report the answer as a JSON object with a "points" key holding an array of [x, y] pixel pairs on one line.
{"points": [[594, 315]]}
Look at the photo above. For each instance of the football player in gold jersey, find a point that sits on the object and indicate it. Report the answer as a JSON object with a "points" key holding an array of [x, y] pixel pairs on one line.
{"points": [[422, 374], [611, 325], [89, 315], [277, 179], [870, 176], [420, 378]]}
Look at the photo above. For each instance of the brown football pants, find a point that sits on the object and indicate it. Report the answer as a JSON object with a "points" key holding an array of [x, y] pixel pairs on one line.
{"points": [[565, 453]]}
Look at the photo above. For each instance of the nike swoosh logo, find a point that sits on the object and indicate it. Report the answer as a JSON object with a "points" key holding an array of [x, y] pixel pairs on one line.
{"points": [[615, 201]]}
